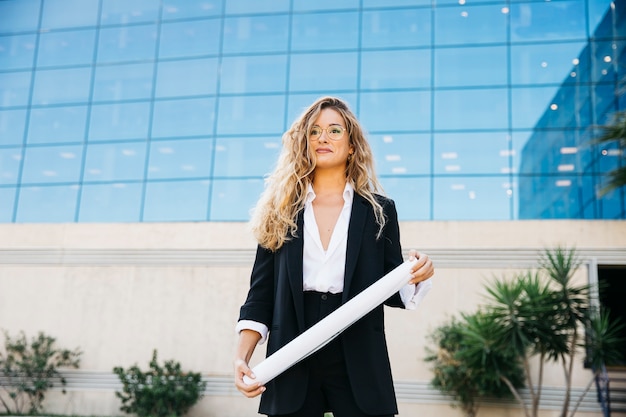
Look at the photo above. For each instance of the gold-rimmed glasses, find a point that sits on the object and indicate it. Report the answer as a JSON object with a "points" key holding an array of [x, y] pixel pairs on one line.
{"points": [[333, 132]]}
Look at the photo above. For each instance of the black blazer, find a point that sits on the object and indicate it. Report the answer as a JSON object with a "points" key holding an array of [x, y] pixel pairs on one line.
{"points": [[275, 299]]}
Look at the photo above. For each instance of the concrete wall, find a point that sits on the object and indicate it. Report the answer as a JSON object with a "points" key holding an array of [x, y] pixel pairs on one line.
{"points": [[118, 291]]}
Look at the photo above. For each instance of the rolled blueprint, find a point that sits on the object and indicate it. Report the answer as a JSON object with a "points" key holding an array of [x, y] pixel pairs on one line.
{"points": [[332, 325]]}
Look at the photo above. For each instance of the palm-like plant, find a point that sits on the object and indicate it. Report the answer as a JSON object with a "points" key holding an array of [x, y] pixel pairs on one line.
{"points": [[615, 131]]}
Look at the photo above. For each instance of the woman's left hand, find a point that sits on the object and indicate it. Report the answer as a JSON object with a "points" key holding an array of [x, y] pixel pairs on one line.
{"points": [[423, 268]]}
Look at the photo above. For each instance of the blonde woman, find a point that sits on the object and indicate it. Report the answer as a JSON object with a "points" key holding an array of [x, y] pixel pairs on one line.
{"points": [[324, 234]]}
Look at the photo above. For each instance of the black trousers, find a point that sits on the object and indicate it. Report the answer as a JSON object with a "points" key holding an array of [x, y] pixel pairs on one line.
{"points": [[328, 386]]}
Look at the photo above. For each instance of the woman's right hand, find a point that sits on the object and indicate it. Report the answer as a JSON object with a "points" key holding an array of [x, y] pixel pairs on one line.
{"points": [[241, 369]]}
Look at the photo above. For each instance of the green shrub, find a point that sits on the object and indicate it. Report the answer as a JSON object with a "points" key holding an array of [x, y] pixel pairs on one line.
{"points": [[159, 392], [28, 370]]}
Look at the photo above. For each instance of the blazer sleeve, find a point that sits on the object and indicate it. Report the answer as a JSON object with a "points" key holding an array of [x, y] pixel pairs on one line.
{"points": [[393, 249], [259, 304]]}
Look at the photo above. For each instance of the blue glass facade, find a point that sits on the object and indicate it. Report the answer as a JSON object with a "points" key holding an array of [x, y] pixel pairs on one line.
{"points": [[172, 110]]}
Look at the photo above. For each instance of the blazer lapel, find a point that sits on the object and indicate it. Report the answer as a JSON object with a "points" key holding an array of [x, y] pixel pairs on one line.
{"points": [[355, 234], [294, 250]]}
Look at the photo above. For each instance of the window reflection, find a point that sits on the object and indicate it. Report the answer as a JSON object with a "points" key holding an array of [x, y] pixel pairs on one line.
{"points": [[9, 165], [119, 202], [180, 159], [177, 9], [253, 74], [256, 6], [83, 13], [51, 86], [126, 43], [123, 82], [186, 78], [189, 117], [57, 124], [47, 204], [465, 25], [471, 66], [256, 34], [12, 124], [189, 38], [115, 161], [395, 111], [16, 52], [232, 200], [411, 195], [559, 20], [323, 72], [548, 63], [66, 48], [559, 194], [306, 5], [472, 153], [396, 69], [7, 203], [119, 121], [251, 115], [129, 11], [396, 28], [14, 88], [472, 198], [559, 151], [471, 109], [52, 164], [401, 154], [260, 154], [19, 16], [176, 201], [324, 31], [548, 107]]}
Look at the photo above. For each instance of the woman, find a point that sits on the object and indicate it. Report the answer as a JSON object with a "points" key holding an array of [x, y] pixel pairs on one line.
{"points": [[324, 235]]}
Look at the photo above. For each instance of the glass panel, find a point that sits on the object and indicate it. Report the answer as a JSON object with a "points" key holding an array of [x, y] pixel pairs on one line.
{"points": [[9, 165], [300, 102], [472, 198], [186, 78], [127, 43], [472, 153], [180, 159], [464, 25], [600, 14], [395, 111], [51, 86], [19, 15], [471, 66], [259, 153], [56, 15], [606, 61], [546, 107], [549, 152], [256, 34], [544, 21], [12, 123], [401, 154], [110, 203], [7, 201], [14, 88], [189, 38], [52, 164], [115, 161], [396, 28], [176, 201], [57, 124], [66, 48], [119, 121], [307, 5], [411, 195], [323, 72], [547, 63], [251, 115], [611, 205], [471, 109], [123, 82], [129, 11], [550, 197], [232, 200], [256, 6], [190, 117], [17, 52], [178, 9], [385, 3], [51, 204], [325, 31], [253, 74], [395, 69]]}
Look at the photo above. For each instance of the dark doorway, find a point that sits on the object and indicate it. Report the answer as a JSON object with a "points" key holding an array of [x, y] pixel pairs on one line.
{"points": [[612, 280]]}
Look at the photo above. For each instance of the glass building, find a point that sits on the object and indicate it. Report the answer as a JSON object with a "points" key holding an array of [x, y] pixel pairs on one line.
{"points": [[173, 110]]}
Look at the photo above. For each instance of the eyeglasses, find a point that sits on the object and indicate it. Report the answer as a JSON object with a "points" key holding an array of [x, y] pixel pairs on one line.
{"points": [[334, 132]]}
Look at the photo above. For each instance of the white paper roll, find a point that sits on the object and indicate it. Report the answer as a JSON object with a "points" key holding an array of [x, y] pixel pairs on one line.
{"points": [[332, 325]]}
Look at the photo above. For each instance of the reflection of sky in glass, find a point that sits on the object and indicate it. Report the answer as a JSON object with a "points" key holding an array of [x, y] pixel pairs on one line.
{"points": [[7, 202], [474, 110], [55, 204]]}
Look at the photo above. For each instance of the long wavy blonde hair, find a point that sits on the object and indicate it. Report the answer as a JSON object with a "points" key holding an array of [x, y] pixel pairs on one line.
{"points": [[274, 217]]}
